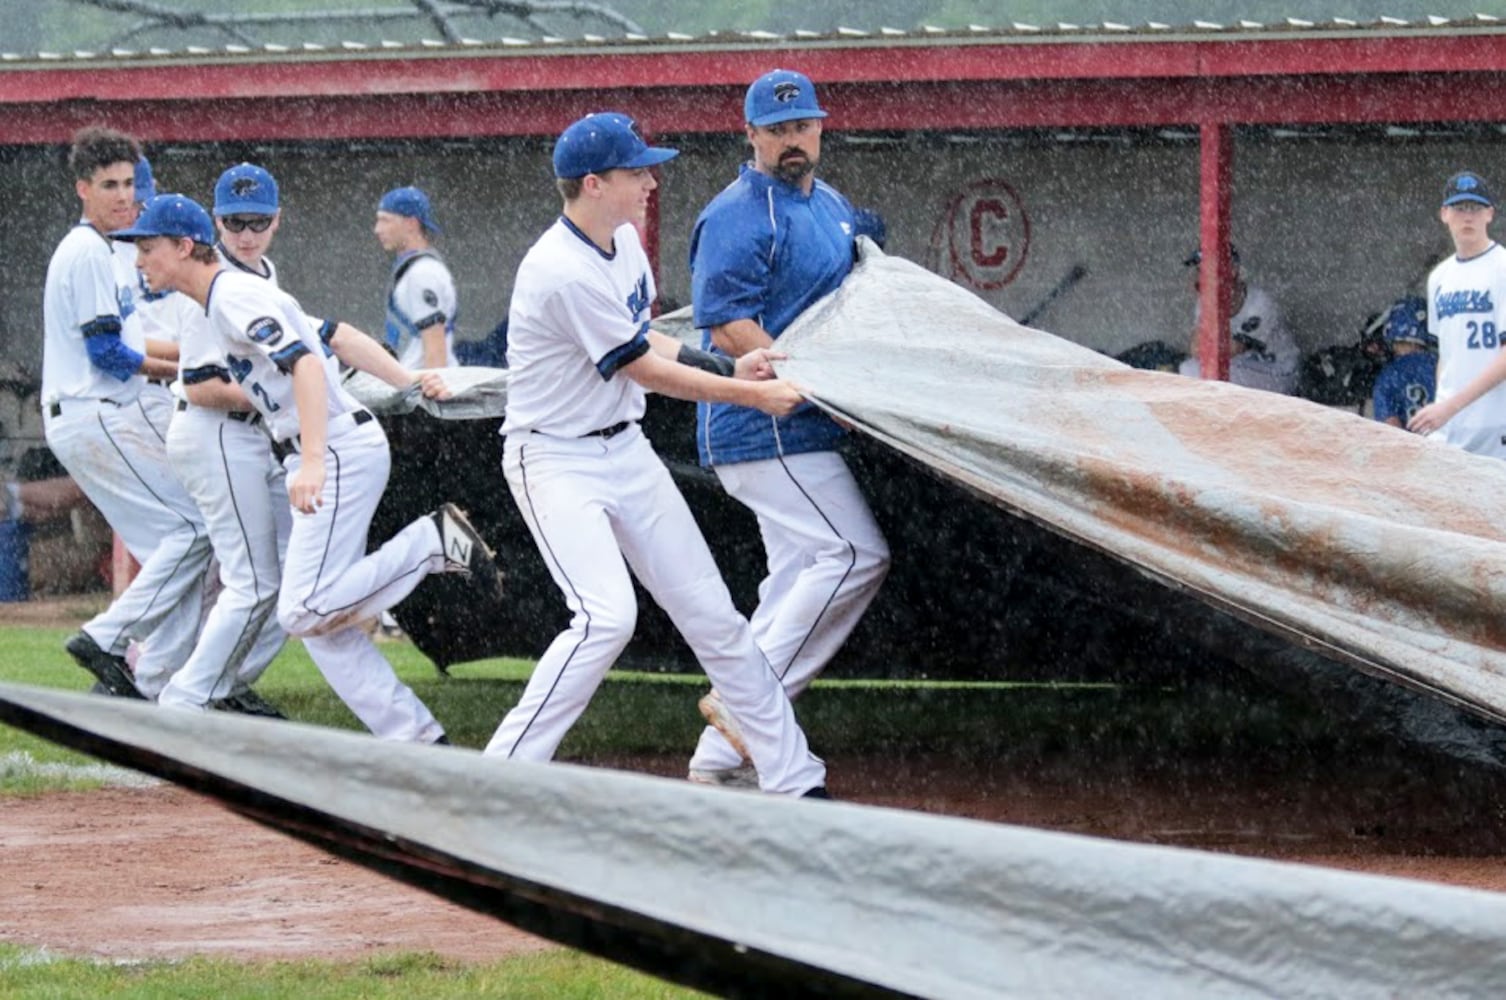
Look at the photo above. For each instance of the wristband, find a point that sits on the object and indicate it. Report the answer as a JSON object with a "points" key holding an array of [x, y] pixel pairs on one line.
{"points": [[716, 364]]}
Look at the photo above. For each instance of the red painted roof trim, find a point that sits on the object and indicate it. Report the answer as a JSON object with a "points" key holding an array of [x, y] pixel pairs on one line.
{"points": [[540, 69], [1047, 83]]}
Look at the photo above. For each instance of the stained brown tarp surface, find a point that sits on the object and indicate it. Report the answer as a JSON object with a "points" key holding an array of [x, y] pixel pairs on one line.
{"points": [[1350, 537]]}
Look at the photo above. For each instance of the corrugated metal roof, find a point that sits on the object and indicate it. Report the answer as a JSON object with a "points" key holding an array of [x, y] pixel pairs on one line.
{"points": [[1016, 32]]}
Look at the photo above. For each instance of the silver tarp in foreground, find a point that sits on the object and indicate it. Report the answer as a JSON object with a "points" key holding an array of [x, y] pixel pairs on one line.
{"points": [[1354, 538], [745, 894]]}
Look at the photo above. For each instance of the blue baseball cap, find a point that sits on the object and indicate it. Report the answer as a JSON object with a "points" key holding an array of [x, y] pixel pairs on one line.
{"points": [[172, 215], [605, 141], [146, 184], [245, 189], [413, 203], [1466, 186], [781, 95]]}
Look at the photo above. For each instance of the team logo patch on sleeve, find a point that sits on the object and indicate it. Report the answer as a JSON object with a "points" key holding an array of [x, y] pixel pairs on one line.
{"points": [[265, 331], [431, 298]]}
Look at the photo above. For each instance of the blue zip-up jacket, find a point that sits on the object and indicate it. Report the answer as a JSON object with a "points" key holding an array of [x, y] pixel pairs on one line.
{"points": [[764, 250]]}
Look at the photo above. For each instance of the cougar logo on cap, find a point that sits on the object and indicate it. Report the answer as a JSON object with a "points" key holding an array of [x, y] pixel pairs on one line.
{"points": [[784, 93], [244, 186]]}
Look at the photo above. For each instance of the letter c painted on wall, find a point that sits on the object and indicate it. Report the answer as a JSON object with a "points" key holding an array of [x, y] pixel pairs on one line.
{"points": [[999, 252]]}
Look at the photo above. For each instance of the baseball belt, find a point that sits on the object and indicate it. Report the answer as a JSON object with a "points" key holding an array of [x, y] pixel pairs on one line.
{"points": [[290, 446], [239, 416]]}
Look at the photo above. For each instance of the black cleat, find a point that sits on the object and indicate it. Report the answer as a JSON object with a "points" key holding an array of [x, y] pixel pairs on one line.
{"points": [[463, 548], [443, 741], [819, 792], [110, 670], [247, 702]]}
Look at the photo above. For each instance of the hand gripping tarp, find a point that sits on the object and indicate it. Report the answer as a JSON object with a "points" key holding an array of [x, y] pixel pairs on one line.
{"points": [[751, 895], [1350, 537]]}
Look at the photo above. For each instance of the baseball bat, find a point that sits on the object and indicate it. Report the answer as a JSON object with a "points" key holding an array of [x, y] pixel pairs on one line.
{"points": [[1078, 272]]}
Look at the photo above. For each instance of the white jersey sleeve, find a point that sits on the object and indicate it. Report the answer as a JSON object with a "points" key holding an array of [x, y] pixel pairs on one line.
{"points": [[83, 293], [577, 317]]}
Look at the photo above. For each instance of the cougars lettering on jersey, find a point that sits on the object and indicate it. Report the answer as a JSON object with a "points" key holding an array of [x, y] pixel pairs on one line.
{"points": [[1464, 298], [1467, 300]]}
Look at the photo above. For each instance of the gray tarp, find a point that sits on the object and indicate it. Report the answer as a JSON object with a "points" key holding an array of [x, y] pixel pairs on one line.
{"points": [[1354, 538], [760, 895]]}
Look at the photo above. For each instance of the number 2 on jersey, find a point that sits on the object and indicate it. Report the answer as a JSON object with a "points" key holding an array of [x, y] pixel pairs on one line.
{"points": [[240, 368]]}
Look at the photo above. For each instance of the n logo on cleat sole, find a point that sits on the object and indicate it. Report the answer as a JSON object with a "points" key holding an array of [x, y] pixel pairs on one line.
{"points": [[459, 545]]}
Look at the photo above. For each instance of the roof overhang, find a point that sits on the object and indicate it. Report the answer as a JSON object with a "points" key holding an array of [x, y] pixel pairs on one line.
{"points": [[902, 83]]}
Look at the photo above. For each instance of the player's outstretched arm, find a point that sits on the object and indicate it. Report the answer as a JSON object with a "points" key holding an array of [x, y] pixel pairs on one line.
{"points": [[669, 378], [756, 364], [362, 352], [1435, 415]]}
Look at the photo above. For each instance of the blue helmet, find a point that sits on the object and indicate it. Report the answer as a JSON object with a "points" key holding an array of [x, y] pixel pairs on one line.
{"points": [[1407, 322]]}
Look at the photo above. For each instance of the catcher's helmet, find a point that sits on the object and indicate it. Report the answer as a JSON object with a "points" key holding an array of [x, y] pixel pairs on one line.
{"points": [[1407, 322]]}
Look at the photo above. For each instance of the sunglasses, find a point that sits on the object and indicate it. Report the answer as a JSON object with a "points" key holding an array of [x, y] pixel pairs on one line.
{"points": [[240, 223]]}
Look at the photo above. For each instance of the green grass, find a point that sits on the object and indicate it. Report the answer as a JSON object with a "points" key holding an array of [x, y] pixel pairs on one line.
{"points": [[550, 975], [653, 713]]}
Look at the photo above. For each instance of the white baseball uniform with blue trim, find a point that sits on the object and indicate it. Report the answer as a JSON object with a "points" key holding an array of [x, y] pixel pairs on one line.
{"points": [[422, 294], [112, 446], [225, 461], [1467, 312], [329, 583], [600, 504]]}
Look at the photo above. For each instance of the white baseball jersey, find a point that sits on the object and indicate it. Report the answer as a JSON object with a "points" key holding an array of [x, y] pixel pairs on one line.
{"points": [[422, 294], [1467, 312], [85, 286], [262, 331], [577, 316], [1275, 363], [207, 350]]}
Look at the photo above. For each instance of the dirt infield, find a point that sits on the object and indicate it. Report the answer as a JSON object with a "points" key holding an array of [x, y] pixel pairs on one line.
{"points": [[161, 873]]}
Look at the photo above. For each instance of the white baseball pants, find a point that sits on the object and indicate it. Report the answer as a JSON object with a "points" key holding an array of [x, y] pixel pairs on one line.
{"points": [[227, 467], [598, 508], [117, 456], [330, 584], [826, 561]]}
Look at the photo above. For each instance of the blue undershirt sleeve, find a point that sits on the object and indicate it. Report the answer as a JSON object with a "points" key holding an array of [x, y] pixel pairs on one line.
{"points": [[107, 351]]}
